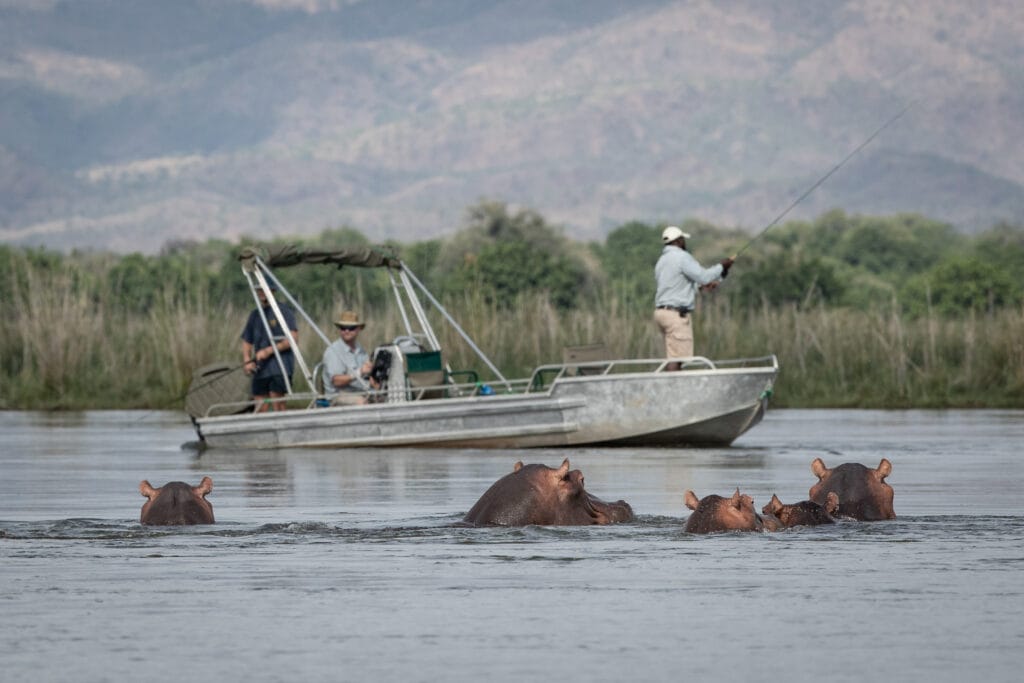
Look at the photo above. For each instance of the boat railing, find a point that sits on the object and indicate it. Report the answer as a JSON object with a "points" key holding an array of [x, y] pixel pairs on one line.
{"points": [[545, 376], [407, 394], [542, 380]]}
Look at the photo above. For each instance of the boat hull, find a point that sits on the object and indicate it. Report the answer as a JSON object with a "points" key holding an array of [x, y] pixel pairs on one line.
{"points": [[691, 408]]}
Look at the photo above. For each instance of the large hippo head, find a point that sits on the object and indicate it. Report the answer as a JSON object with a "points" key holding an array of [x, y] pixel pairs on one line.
{"points": [[542, 495], [804, 513], [177, 503], [715, 513], [863, 493]]}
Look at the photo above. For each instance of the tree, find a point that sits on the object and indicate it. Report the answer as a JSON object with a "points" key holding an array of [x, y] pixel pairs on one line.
{"points": [[628, 257], [503, 254], [1003, 247], [960, 284], [785, 278], [898, 245]]}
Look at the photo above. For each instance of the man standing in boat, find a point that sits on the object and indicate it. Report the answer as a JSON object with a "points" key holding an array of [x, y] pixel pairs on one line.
{"points": [[347, 366], [679, 276], [258, 352]]}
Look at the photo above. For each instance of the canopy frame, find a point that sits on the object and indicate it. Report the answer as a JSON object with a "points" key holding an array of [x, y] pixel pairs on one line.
{"points": [[257, 264]]}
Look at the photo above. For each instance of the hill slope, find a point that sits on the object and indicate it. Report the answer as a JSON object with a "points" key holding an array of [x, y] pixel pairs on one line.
{"points": [[124, 125]]}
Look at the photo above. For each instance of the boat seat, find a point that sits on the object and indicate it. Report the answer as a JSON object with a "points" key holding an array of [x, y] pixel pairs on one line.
{"points": [[586, 353], [426, 374]]}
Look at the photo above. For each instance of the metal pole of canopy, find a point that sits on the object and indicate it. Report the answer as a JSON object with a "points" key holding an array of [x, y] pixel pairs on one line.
{"points": [[295, 304], [417, 308], [262, 283], [401, 304], [406, 272], [292, 343]]}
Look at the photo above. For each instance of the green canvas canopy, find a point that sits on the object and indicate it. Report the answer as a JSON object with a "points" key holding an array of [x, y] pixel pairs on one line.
{"points": [[290, 255]]}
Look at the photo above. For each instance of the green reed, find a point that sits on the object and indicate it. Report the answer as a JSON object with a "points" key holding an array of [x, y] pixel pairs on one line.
{"points": [[67, 346]]}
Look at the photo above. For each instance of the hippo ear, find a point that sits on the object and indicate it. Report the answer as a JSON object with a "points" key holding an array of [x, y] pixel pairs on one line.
{"points": [[147, 490], [205, 486], [691, 500], [884, 469], [832, 502], [564, 468], [818, 468], [518, 466]]}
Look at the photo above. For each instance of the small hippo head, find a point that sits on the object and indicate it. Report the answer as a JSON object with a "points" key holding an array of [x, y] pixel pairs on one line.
{"points": [[177, 503], [863, 493], [715, 513], [804, 513], [542, 495]]}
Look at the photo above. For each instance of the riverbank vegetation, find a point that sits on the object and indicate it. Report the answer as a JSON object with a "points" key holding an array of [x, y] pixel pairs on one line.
{"points": [[862, 311]]}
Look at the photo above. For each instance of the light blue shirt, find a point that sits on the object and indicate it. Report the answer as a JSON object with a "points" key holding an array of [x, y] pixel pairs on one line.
{"points": [[339, 359], [678, 275]]}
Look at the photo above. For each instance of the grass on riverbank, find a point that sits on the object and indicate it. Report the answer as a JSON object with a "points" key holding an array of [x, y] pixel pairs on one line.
{"points": [[62, 347]]}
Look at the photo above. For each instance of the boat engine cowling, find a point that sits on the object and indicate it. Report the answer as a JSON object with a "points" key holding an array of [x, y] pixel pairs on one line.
{"points": [[389, 371]]}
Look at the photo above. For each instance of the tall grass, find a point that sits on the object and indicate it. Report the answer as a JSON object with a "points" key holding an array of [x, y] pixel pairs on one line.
{"points": [[64, 346]]}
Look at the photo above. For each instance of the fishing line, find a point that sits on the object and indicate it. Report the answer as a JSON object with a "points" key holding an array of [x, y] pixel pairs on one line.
{"points": [[825, 177]]}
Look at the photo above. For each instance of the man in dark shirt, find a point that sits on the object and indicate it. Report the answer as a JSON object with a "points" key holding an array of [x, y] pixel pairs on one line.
{"points": [[258, 353]]}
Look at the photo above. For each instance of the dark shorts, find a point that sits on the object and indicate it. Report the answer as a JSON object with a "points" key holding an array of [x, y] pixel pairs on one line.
{"points": [[265, 386]]}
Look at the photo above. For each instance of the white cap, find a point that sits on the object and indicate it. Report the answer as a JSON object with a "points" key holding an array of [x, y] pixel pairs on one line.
{"points": [[672, 233]]}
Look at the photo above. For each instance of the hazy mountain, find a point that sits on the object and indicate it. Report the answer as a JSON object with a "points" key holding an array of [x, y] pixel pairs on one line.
{"points": [[126, 124]]}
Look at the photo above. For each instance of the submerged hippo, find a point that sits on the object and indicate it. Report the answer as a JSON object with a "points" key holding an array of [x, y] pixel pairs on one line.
{"points": [[863, 493], [715, 513], [542, 495], [805, 513], [177, 503]]}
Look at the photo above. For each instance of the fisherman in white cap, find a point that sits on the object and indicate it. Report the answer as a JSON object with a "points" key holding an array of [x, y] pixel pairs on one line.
{"points": [[679, 276]]}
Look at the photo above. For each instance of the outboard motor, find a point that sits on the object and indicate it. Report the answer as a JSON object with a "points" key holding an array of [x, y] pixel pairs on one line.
{"points": [[389, 371], [408, 344], [381, 366]]}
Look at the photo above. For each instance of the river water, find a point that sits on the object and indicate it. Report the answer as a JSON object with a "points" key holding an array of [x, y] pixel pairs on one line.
{"points": [[346, 566]]}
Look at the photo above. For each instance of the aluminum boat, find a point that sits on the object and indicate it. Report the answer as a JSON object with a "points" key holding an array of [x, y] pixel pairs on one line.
{"points": [[587, 399]]}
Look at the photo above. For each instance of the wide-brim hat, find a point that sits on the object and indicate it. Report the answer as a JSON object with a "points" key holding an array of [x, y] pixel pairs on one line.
{"points": [[349, 319]]}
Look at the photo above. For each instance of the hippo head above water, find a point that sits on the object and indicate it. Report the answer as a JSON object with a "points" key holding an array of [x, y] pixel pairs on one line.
{"points": [[715, 513], [863, 493], [177, 503], [804, 513], [545, 496]]}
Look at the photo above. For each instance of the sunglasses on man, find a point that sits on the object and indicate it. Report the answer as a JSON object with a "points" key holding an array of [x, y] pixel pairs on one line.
{"points": [[347, 328]]}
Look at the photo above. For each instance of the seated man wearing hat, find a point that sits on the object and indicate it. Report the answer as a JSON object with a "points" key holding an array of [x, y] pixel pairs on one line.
{"points": [[347, 366], [678, 276]]}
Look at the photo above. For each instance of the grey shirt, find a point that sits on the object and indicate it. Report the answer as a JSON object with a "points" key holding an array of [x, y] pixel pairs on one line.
{"points": [[339, 359], [678, 275]]}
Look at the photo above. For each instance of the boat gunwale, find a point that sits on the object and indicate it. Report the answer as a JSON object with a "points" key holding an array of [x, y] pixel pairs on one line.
{"points": [[528, 394]]}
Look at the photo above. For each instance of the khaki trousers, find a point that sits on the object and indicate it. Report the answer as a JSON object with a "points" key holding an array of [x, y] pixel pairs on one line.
{"points": [[677, 331], [348, 398]]}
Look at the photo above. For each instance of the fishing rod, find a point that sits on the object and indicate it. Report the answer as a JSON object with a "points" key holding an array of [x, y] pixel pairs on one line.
{"points": [[825, 177]]}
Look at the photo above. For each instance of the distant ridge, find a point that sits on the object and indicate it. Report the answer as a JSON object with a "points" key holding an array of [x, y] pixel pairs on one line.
{"points": [[125, 125]]}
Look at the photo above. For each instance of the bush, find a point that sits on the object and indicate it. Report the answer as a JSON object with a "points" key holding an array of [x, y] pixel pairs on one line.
{"points": [[958, 285]]}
